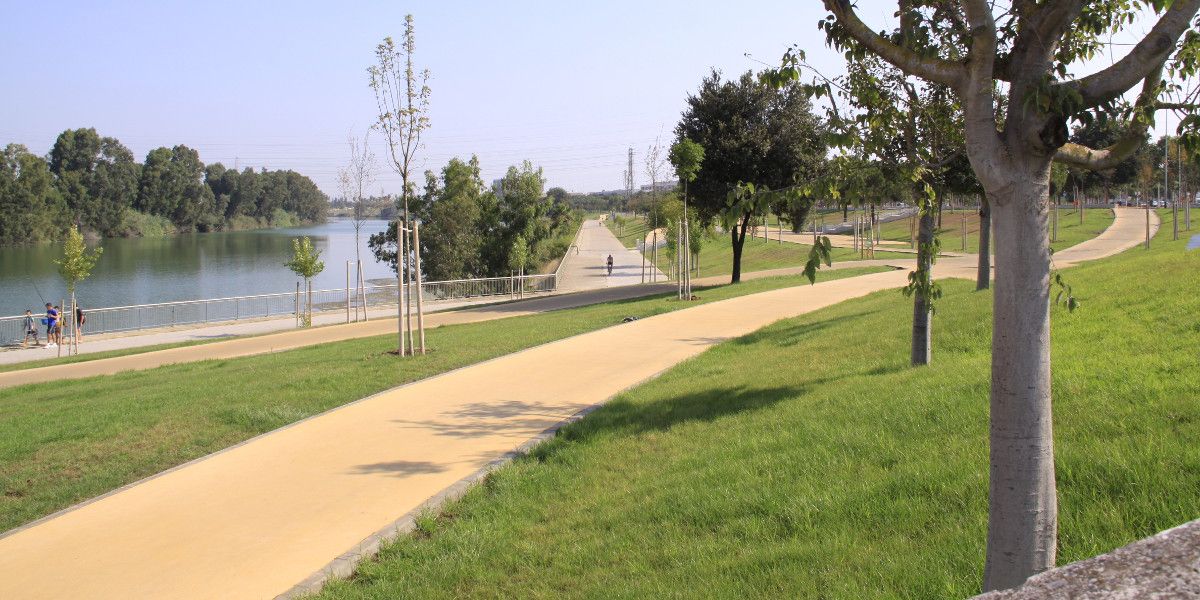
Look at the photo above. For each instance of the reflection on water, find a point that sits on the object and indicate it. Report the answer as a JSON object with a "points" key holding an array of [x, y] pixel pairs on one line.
{"points": [[183, 267]]}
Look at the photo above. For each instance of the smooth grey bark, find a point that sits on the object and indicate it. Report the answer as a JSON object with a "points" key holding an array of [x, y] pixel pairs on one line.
{"points": [[983, 276], [922, 328], [1023, 509]]}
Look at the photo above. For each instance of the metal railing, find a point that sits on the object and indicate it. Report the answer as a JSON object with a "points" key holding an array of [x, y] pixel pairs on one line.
{"points": [[240, 308]]}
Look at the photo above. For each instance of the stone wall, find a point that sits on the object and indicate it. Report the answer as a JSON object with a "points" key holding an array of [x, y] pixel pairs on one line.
{"points": [[1166, 565]]}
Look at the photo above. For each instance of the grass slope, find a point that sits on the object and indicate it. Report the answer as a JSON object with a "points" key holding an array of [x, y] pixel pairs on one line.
{"points": [[1070, 231], [67, 441], [716, 251], [629, 231], [78, 358], [716, 255], [809, 460]]}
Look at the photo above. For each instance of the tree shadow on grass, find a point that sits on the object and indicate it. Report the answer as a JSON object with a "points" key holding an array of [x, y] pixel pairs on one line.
{"points": [[624, 416], [796, 333]]}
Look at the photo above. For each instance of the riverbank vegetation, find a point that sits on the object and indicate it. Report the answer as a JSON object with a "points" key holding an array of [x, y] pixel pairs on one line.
{"points": [[65, 441], [808, 459], [95, 183]]}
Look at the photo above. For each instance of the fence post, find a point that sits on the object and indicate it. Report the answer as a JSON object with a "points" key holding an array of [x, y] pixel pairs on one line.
{"points": [[362, 292], [347, 291], [296, 304]]}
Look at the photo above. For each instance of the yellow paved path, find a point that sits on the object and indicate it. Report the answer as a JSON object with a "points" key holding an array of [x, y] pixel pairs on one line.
{"points": [[256, 519], [252, 521]]}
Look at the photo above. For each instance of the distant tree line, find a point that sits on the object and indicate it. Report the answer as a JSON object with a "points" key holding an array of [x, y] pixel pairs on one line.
{"points": [[95, 183], [471, 230]]}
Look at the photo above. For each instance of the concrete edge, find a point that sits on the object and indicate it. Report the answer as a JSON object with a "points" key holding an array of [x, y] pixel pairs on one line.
{"points": [[1163, 565], [346, 564]]}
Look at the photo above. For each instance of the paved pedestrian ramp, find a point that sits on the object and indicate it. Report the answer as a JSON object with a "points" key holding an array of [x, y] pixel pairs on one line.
{"points": [[584, 267]]}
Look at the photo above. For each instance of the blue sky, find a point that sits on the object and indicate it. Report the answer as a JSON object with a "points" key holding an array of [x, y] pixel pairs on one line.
{"points": [[567, 85]]}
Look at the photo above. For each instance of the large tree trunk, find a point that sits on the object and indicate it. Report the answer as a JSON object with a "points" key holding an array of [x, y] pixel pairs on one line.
{"points": [[983, 276], [922, 332], [1022, 507]]}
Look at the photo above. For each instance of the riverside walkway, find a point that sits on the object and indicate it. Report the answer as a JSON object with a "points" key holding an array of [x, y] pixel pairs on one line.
{"points": [[582, 270], [259, 518]]}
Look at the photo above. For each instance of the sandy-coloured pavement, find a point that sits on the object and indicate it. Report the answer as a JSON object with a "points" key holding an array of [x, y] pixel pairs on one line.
{"points": [[256, 519]]}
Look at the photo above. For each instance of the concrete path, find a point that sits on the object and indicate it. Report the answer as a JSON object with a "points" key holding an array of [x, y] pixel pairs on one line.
{"points": [[847, 241], [106, 342], [1128, 230], [587, 270], [254, 520]]}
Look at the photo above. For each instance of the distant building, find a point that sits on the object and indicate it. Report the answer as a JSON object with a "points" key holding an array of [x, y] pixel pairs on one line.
{"points": [[662, 186]]}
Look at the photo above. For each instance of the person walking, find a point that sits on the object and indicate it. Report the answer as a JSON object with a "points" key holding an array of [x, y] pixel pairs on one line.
{"points": [[51, 321], [80, 319], [610, 264], [30, 329]]}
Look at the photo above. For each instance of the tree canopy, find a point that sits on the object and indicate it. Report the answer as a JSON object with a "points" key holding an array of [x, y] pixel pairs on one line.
{"points": [[751, 133], [95, 183], [471, 230]]}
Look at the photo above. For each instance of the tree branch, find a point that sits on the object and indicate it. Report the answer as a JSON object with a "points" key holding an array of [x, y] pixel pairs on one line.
{"points": [[1078, 155], [933, 69], [977, 89], [1040, 31], [1145, 57]]}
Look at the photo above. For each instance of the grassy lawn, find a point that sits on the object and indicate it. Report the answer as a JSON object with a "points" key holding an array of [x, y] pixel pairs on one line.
{"points": [[633, 230], [1070, 231], [809, 460], [716, 255], [47, 362], [67, 441]]}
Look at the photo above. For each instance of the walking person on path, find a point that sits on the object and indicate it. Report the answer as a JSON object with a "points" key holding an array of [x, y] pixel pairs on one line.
{"points": [[30, 329], [610, 264], [80, 319], [51, 323]]}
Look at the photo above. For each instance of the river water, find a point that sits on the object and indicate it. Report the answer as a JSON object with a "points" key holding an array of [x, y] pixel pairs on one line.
{"points": [[183, 267]]}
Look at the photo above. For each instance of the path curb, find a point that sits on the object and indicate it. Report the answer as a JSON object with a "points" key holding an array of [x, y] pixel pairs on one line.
{"points": [[345, 565]]}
